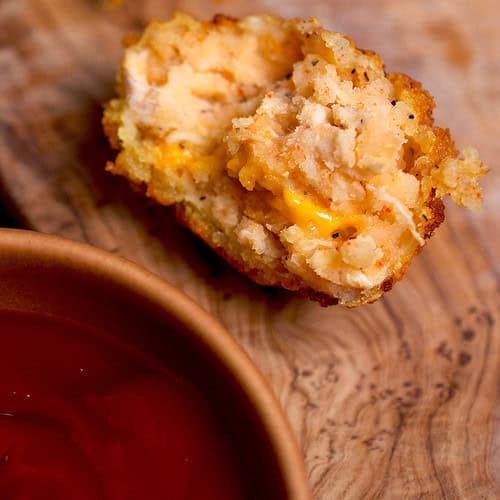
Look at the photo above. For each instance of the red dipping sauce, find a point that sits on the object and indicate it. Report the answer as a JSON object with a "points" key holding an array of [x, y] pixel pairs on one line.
{"points": [[84, 415]]}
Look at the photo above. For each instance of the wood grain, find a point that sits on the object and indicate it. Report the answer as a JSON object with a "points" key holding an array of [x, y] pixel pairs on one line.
{"points": [[399, 399]]}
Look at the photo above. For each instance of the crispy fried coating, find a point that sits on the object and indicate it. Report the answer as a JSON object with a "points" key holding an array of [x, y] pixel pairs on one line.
{"points": [[288, 150]]}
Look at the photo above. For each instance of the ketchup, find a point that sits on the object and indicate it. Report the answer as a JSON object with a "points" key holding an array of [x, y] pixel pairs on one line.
{"points": [[84, 415]]}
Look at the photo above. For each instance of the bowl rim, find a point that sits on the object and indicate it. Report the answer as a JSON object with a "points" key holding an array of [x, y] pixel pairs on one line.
{"points": [[204, 326]]}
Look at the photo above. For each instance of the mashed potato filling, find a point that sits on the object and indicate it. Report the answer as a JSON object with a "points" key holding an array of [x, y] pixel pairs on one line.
{"points": [[330, 142], [287, 149], [180, 85]]}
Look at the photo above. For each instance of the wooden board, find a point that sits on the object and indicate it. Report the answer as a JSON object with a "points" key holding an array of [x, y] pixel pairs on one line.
{"points": [[399, 399]]}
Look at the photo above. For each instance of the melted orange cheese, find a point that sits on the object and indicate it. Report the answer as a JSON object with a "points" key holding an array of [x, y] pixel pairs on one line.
{"points": [[305, 213], [175, 155], [299, 209]]}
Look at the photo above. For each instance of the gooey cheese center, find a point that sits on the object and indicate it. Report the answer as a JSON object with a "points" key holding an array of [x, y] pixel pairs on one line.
{"points": [[307, 214]]}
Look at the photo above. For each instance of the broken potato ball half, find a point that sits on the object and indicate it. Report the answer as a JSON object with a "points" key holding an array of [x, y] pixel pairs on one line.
{"points": [[288, 150]]}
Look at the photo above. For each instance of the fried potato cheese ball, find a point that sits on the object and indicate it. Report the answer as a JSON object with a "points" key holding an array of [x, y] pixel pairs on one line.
{"points": [[288, 150]]}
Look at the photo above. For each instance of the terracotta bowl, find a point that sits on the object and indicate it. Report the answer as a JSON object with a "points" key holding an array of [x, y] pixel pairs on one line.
{"points": [[40, 273]]}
